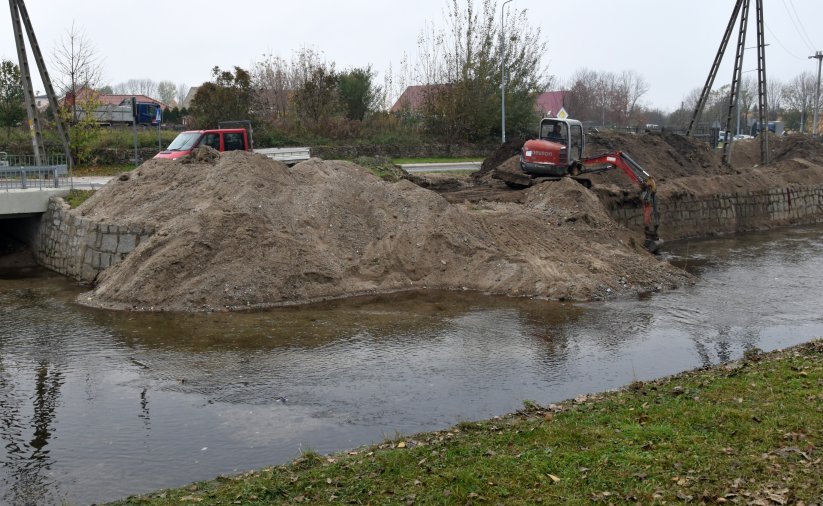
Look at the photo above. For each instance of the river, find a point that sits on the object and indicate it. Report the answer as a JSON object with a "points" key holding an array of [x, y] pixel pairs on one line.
{"points": [[98, 405]]}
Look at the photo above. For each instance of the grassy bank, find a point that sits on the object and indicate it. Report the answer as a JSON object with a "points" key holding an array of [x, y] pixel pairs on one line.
{"points": [[747, 432]]}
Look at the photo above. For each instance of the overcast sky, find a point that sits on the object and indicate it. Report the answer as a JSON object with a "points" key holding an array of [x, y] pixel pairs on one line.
{"points": [[671, 43]]}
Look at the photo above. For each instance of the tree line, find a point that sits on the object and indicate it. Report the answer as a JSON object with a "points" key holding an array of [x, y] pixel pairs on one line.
{"points": [[462, 64]]}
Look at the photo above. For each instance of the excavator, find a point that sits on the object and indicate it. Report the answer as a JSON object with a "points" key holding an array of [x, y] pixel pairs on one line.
{"points": [[558, 153]]}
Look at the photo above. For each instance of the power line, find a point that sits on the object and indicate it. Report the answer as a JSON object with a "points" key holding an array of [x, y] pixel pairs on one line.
{"points": [[798, 25], [782, 45], [799, 20]]}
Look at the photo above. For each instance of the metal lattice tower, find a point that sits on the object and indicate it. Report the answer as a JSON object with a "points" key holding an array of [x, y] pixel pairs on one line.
{"points": [[734, 93], [707, 88], [762, 103], [18, 13], [28, 90], [741, 11]]}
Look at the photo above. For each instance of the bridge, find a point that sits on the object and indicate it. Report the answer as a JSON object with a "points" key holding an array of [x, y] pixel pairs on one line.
{"points": [[25, 188]]}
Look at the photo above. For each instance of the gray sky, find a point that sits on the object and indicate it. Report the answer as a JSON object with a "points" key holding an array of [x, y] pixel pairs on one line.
{"points": [[670, 43]]}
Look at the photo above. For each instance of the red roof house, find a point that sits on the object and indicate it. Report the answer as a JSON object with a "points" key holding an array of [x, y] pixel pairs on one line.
{"points": [[550, 102]]}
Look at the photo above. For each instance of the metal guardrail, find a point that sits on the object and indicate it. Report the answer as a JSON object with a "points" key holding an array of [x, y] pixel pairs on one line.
{"points": [[20, 172], [22, 178], [7, 160], [289, 156]]}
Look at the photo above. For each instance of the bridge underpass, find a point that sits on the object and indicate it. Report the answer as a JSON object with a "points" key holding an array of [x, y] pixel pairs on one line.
{"points": [[17, 235]]}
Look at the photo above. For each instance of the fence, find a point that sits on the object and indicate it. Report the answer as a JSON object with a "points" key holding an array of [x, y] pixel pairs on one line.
{"points": [[20, 172]]}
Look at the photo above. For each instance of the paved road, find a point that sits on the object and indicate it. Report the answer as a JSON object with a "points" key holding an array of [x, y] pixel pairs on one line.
{"points": [[85, 182], [440, 167]]}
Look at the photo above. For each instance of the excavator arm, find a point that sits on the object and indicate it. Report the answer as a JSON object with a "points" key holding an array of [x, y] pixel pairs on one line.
{"points": [[648, 189]]}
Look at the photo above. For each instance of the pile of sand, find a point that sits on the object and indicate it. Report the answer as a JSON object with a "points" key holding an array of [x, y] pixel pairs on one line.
{"points": [[244, 231]]}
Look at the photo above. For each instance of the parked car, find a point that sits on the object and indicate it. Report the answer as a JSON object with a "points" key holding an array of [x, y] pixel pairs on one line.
{"points": [[742, 137], [224, 139]]}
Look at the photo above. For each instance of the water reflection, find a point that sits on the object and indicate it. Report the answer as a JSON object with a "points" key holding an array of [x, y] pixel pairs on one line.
{"points": [[95, 405], [28, 462]]}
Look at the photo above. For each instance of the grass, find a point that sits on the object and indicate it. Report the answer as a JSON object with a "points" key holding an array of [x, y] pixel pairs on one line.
{"points": [[381, 167], [748, 432], [76, 197], [403, 161]]}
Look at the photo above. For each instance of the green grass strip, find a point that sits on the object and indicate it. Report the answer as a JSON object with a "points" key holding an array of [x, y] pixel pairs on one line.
{"points": [[76, 197]]}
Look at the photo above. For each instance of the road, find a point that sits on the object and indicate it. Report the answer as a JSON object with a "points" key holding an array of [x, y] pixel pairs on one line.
{"points": [[85, 182], [440, 167]]}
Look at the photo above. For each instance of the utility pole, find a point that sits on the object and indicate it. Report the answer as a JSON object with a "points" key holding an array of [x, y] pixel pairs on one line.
{"points": [[28, 91], [20, 13], [819, 56], [503, 72]]}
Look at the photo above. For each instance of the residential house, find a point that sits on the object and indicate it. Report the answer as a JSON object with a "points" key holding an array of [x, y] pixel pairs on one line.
{"points": [[549, 103]]}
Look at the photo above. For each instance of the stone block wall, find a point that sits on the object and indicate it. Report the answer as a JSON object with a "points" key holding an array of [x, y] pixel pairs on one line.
{"points": [[684, 215], [82, 248]]}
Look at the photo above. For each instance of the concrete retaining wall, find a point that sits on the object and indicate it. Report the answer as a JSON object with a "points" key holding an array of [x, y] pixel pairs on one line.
{"points": [[81, 248], [684, 215]]}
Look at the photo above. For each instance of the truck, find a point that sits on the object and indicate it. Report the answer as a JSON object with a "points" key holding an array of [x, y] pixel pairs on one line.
{"points": [[122, 114], [557, 153], [228, 139]]}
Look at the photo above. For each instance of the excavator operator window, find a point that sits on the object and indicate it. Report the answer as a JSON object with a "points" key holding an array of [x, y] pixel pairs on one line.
{"points": [[577, 139], [555, 131]]}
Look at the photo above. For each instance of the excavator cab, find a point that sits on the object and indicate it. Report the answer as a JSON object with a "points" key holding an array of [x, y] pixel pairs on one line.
{"points": [[568, 132], [557, 151]]}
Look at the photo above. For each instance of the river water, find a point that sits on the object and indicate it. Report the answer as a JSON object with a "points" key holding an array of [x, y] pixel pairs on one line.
{"points": [[97, 405]]}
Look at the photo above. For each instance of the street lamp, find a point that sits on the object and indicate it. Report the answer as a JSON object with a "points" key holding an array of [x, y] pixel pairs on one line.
{"points": [[503, 71], [819, 56]]}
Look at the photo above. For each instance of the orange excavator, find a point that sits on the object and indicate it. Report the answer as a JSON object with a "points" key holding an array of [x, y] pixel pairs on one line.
{"points": [[558, 153]]}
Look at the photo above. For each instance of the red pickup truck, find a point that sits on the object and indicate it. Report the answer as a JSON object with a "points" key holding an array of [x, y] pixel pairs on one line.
{"points": [[222, 139]]}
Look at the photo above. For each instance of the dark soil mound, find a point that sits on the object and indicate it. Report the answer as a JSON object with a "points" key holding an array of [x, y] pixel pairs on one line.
{"points": [[501, 154]]}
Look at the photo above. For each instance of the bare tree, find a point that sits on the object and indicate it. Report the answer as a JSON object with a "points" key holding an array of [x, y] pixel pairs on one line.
{"points": [[774, 97], [166, 92], [77, 66], [748, 92], [799, 96], [632, 86], [314, 83], [182, 93], [581, 97], [133, 86], [604, 85], [271, 81]]}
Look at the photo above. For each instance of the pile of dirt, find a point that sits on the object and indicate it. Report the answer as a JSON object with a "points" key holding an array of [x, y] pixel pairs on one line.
{"points": [[504, 152], [244, 231], [746, 153], [671, 157], [663, 155]]}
